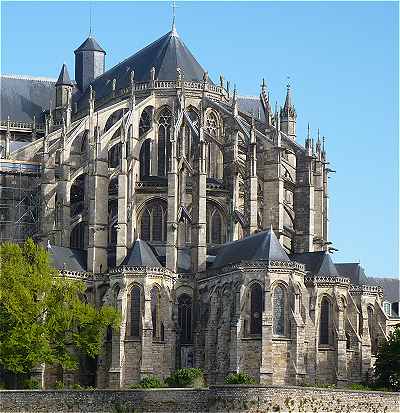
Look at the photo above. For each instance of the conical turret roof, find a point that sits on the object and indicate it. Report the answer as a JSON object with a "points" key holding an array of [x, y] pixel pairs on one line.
{"points": [[263, 246], [90, 44], [63, 78], [141, 255]]}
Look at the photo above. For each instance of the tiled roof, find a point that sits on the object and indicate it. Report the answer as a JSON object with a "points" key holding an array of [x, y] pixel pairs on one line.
{"points": [[263, 246], [67, 258], [90, 44], [141, 255]]}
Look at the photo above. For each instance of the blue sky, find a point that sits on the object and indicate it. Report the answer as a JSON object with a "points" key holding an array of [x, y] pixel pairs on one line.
{"points": [[342, 58]]}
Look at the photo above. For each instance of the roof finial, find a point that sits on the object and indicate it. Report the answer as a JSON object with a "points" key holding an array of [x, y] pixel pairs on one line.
{"points": [[173, 29], [90, 19]]}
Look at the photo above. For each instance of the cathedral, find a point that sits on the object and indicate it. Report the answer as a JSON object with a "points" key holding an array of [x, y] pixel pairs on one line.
{"points": [[193, 210]]}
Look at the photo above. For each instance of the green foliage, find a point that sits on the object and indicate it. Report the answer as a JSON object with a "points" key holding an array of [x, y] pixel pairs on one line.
{"points": [[42, 319], [387, 365], [186, 378], [239, 378], [359, 386], [59, 385], [31, 384], [150, 382]]}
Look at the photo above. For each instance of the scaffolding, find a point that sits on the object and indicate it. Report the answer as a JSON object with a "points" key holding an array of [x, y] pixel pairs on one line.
{"points": [[19, 200]]}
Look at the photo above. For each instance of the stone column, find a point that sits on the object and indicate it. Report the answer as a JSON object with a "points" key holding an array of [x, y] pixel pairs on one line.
{"points": [[122, 208], [251, 203], [341, 376], [116, 372], [266, 366], [210, 341], [172, 224], [146, 366], [365, 342], [304, 204], [298, 336], [235, 330], [199, 205], [319, 205], [48, 194], [273, 190]]}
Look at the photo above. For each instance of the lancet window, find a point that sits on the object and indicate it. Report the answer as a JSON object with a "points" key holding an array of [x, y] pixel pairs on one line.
{"points": [[114, 156], [77, 237], [256, 309], [145, 122], [135, 302], [279, 310], [324, 321], [164, 135], [215, 225], [153, 224], [185, 318], [155, 312], [144, 159]]}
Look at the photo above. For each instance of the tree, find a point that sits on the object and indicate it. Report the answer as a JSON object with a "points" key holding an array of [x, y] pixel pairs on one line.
{"points": [[42, 316], [387, 365]]}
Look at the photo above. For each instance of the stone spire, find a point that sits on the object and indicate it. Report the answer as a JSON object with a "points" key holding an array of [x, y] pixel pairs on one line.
{"points": [[288, 115]]}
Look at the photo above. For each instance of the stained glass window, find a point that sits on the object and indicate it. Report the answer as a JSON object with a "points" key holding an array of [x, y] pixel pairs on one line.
{"points": [[164, 129], [153, 224], [256, 307], [324, 321], [279, 311], [215, 228], [135, 312], [185, 318]]}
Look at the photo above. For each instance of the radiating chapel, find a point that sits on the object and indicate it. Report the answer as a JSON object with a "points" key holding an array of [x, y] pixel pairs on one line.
{"points": [[193, 210]]}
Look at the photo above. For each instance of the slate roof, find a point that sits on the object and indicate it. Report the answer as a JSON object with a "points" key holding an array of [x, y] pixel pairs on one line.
{"points": [[391, 287], [141, 255], [252, 106], [68, 258], [165, 54], [354, 271], [317, 263], [90, 44], [23, 97], [263, 246], [63, 78]]}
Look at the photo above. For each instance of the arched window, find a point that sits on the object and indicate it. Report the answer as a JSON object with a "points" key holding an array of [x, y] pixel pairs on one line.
{"points": [[135, 312], [114, 156], [256, 309], [77, 236], [164, 147], [185, 318], [324, 322], [145, 121], [212, 124], [144, 159], [348, 341], [215, 161], [153, 223], [155, 311], [115, 117], [279, 308], [77, 196], [215, 226]]}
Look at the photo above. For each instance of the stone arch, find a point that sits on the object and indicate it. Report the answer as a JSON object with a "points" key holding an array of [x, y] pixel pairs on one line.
{"points": [[152, 220], [325, 320], [113, 118], [146, 120], [216, 223]]}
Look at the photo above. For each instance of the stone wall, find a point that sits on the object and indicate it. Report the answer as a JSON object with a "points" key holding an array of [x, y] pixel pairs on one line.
{"points": [[215, 399]]}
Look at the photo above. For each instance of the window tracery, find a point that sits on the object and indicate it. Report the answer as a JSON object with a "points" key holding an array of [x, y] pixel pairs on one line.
{"points": [[144, 159], [185, 318], [153, 223], [215, 225], [164, 135]]}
